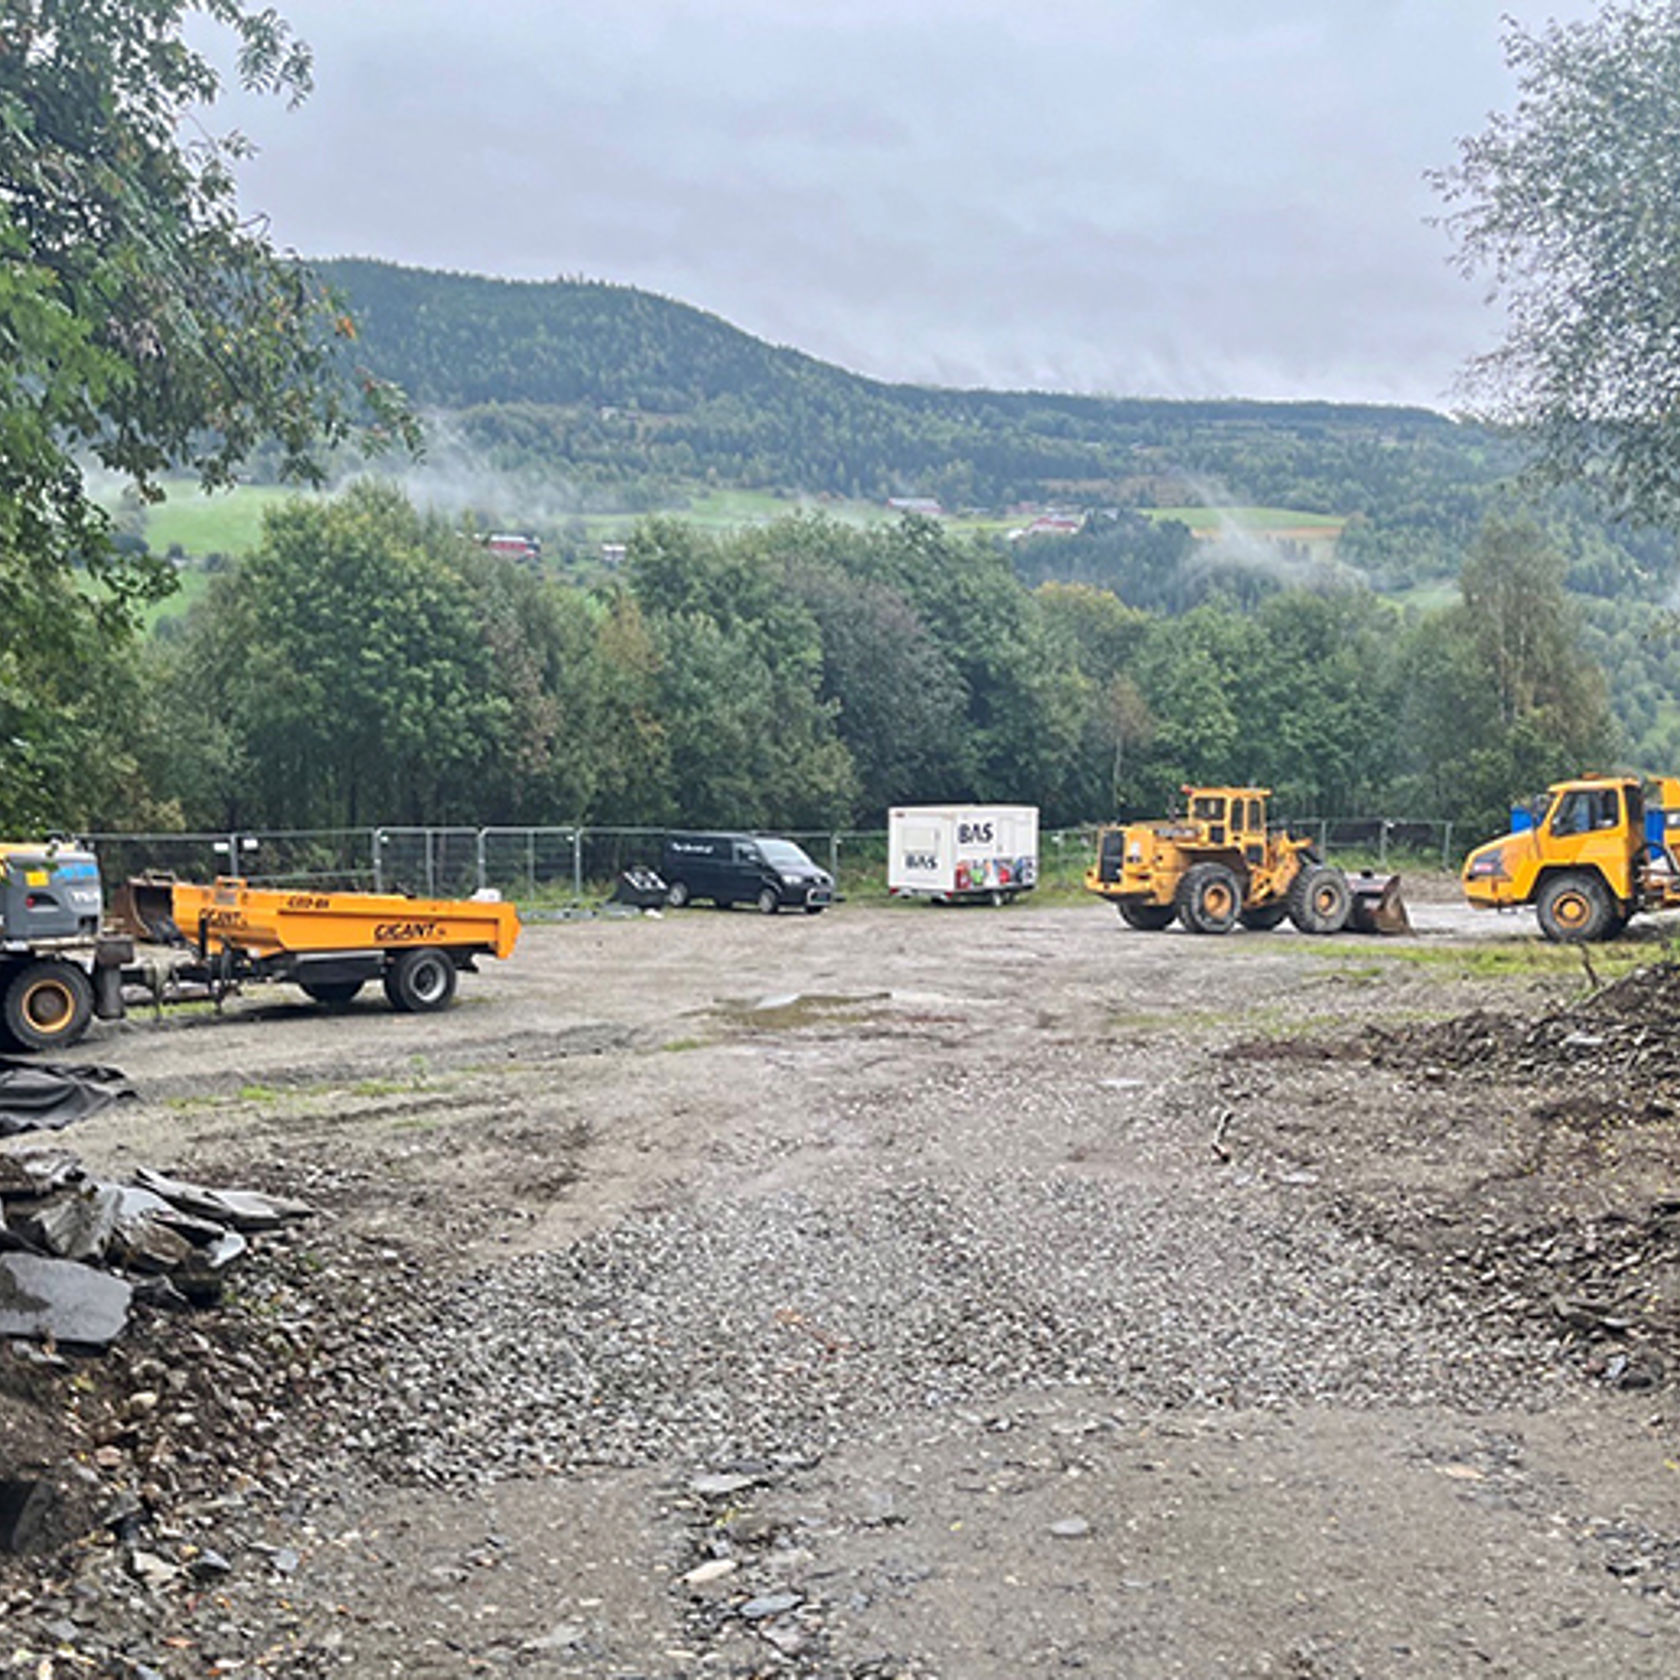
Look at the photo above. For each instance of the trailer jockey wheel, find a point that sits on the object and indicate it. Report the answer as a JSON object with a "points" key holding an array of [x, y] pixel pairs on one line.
{"points": [[420, 981], [47, 1004]]}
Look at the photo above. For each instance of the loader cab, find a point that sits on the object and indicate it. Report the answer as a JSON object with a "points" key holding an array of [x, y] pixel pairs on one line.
{"points": [[1233, 817]]}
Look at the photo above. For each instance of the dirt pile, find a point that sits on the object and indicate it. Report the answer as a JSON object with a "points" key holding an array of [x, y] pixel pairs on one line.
{"points": [[1625, 1038]]}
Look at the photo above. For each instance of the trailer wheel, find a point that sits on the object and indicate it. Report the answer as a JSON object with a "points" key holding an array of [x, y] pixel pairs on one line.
{"points": [[333, 993], [47, 1004], [1575, 908], [1320, 900], [676, 895], [1209, 898], [420, 981], [1146, 918], [1264, 917]]}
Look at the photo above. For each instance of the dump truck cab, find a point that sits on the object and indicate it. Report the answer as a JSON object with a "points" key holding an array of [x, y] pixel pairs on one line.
{"points": [[1588, 854]]}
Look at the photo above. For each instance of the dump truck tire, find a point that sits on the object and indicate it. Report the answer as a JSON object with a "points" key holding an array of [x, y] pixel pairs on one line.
{"points": [[420, 981], [1147, 918], [1209, 898], [47, 1005], [1320, 900], [1575, 908], [1264, 917]]}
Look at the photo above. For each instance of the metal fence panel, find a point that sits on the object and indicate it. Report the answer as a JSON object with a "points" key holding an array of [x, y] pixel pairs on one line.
{"points": [[576, 864]]}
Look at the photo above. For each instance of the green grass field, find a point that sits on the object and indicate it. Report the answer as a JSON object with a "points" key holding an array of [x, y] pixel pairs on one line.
{"points": [[1262, 521], [229, 523]]}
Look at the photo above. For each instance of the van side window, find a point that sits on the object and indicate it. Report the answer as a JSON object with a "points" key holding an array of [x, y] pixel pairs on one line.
{"points": [[746, 852]]}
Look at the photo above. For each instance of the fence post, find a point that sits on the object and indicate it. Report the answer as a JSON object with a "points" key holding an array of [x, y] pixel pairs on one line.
{"points": [[483, 872], [834, 858], [577, 866], [431, 864], [531, 861], [1324, 837], [377, 838], [1382, 843], [1446, 848]]}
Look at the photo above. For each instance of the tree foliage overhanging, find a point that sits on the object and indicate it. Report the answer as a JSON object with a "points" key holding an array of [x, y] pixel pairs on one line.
{"points": [[1566, 203]]}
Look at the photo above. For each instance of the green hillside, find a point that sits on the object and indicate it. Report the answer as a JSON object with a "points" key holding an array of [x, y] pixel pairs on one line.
{"points": [[595, 403]]}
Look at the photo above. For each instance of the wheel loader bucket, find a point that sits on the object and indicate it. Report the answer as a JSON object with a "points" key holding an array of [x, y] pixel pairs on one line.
{"points": [[1377, 905]]}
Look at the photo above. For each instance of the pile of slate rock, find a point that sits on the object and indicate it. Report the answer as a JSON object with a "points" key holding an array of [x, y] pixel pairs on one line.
{"points": [[76, 1250]]}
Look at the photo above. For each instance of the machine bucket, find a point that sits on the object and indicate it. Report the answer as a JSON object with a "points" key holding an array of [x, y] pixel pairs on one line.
{"points": [[1377, 904]]}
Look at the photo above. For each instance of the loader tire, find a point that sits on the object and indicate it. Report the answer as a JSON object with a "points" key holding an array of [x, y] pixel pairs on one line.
{"points": [[1209, 898], [47, 1005], [1147, 918], [1575, 908], [1264, 917], [420, 981], [1320, 900]]}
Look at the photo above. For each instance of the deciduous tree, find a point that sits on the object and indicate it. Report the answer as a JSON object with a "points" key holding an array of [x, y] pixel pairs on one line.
{"points": [[1566, 204]]}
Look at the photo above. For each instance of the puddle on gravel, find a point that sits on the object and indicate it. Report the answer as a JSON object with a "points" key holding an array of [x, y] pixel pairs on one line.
{"points": [[786, 1010]]}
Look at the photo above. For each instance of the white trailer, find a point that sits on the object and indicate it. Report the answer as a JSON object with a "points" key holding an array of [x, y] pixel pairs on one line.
{"points": [[952, 853]]}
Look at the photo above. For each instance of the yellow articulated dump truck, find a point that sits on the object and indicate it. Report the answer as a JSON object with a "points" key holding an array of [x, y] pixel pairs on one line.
{"points": [[1589, 854], [1222, 863]]}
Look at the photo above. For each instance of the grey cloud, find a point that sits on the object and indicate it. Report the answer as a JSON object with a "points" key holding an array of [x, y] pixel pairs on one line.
{"points": [[1199, 197]]}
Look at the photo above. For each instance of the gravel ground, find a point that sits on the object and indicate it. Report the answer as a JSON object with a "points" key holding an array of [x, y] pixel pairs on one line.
{"points": [[893, 1293]]}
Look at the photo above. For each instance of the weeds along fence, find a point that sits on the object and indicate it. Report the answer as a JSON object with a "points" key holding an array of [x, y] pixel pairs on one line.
{"points": [[577, 865]]}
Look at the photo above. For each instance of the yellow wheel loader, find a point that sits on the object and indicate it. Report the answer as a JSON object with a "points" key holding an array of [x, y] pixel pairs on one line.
{"points": [[1222, 864]]}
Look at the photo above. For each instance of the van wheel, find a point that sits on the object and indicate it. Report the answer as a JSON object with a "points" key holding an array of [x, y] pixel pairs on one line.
{"points": [[769, 901], [676, 895], [420, 981], [48, 1004]]}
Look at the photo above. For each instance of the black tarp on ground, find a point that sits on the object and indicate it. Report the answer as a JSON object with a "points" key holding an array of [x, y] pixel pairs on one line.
{"points": [[45, 1096]]}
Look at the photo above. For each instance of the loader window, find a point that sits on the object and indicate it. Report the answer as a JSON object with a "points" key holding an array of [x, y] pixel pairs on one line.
{"points": [[1207, 810], [1256, 817]]}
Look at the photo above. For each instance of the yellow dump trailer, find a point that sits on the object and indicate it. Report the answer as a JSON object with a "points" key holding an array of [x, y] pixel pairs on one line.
{"points": [[330, 944]]}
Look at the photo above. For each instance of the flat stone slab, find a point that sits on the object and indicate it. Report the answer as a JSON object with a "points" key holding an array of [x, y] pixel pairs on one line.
{"points": [[58, 1300]]}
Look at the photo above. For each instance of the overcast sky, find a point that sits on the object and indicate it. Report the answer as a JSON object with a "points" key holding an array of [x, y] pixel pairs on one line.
{"points": [[1135, 197]]}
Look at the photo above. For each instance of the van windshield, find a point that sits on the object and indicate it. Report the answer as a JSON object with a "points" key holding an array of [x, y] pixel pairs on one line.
{"points": [[784, 855]]}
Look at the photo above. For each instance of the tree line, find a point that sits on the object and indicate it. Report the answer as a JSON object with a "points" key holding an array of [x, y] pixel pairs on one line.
{"points": [[371, 662]]}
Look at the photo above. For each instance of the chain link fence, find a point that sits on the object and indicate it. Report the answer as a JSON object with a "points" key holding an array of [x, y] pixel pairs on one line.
{"points": [[580, 865]]}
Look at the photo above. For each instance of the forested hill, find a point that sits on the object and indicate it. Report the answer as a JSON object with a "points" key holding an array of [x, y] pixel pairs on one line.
{"points": [[617, 384]]}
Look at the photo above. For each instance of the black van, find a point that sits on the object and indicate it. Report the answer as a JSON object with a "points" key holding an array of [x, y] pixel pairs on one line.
{"points": [[743, 869]]}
